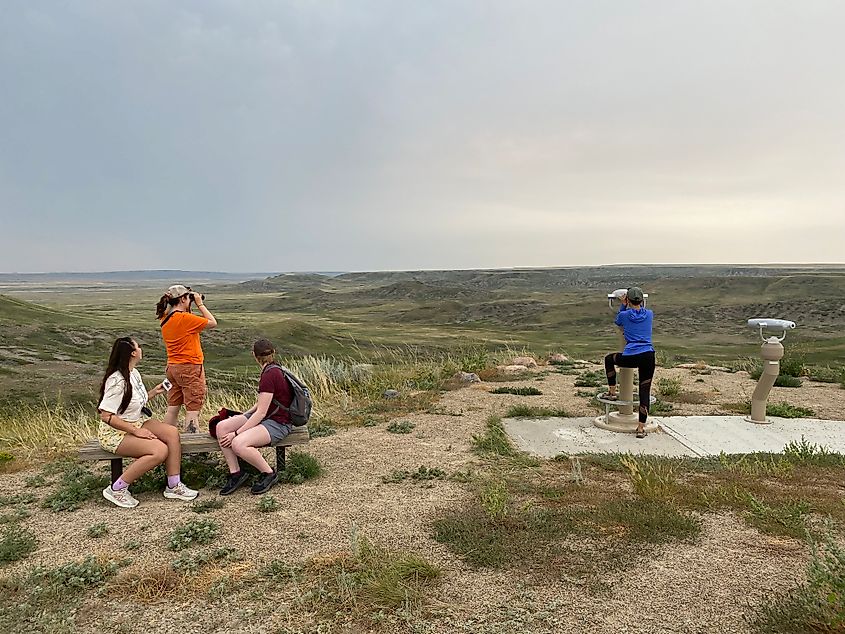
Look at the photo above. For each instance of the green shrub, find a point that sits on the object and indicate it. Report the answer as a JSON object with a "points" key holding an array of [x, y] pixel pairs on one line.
{"points": [[18, 499], [518, 391], [76, 486], [36, 481], [494, 441], [793, 366], [789, 366], [815, 606], [16, 543], [420, 475], [268, 504], [530, 411], [401, 427], [650, 521], [661, 407], [301, 466], [651, 479], [193, 562], [97, 530], [591, 378], [807, 453], [320, 429], [193, 532], [472, 358], [826, 374], [669, 387], [207, 506], [785, 380], [785, 519], [785, 410], [385, 580], [495, 500], [18, 515], [77, 575]]}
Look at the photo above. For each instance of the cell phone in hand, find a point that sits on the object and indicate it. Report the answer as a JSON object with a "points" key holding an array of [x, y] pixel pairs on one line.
{"points": [[166, 385]]}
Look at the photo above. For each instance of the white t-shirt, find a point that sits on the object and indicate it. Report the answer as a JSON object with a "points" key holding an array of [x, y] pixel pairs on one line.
{"points": [[113, 396]]}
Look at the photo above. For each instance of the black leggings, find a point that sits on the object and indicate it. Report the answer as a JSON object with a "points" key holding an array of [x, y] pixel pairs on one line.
{"points": [[644, 362]]}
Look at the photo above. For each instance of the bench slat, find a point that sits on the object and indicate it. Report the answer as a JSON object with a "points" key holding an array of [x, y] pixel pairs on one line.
{"points": [[192, 443]]}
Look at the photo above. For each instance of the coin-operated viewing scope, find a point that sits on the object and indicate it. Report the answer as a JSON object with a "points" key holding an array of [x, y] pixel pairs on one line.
{"points": [[771, 325], [772, 353], [619, 293]]}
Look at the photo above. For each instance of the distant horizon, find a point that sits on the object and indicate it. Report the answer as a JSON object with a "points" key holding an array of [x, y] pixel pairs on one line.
{"points": [[409, 270]]}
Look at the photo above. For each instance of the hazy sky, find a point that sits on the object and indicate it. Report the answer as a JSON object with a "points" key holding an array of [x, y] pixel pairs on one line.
{"points": [[359, 135]]}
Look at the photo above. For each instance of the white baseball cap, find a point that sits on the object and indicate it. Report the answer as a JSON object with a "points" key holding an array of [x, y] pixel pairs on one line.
{"points": [[177, 290]]}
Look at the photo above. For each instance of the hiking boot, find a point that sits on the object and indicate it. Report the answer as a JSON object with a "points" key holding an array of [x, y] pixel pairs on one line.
{"points": [[180, 492], [234, 482], [123, 498], [264, 483]]}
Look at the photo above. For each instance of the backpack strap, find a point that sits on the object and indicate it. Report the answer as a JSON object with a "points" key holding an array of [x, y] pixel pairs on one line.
{"points": [[166, 319]]}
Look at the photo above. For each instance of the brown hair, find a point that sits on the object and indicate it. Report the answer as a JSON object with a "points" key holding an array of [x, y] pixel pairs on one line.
{"points": [[264, 351], [166, 300], [121, 353]]}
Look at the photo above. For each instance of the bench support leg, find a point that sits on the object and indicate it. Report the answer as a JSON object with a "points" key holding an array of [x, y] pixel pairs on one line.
{"points": [[280, 459], [116, 469]]}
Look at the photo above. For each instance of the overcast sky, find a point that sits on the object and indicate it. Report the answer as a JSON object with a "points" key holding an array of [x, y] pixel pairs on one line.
{"points": [[359, 135]]}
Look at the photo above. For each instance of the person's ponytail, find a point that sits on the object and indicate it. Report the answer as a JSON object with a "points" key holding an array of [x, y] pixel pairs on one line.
{"points": [[166, 300]]}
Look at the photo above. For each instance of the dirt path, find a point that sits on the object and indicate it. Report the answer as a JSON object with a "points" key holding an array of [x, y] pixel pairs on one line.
{"points": [[703, 587]]}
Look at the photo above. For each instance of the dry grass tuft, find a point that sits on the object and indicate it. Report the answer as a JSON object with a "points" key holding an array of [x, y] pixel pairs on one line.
{"points": [[150, 585]]}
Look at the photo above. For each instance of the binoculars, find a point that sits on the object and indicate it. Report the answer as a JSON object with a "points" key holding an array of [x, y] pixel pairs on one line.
{"points": [[202, 297]]}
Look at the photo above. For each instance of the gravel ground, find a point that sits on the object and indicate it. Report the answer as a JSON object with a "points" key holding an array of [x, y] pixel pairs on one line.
{"points": [[701, 587]]}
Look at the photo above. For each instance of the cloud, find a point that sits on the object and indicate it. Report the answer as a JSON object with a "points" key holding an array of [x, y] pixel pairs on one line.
{"points": [[335, 135]]}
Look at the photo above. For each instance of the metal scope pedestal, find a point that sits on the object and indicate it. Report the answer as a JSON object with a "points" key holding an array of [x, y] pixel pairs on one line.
{"points": [[619, 420], [772, 353]]}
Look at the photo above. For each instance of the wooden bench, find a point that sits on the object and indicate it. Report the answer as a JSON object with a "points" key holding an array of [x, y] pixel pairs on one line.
{"points": [[193, 443]]}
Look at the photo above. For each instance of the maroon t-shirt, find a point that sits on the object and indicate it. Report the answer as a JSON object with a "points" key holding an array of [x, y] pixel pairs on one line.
{"points": [[273, 380]]}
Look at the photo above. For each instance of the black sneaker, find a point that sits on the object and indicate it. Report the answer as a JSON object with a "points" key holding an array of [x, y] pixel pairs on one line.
{"points": [[264, 483], [234, 482]]}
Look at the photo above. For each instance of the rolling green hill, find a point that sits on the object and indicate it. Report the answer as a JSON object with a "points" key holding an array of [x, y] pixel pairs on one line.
{"points": [[700, 313]]}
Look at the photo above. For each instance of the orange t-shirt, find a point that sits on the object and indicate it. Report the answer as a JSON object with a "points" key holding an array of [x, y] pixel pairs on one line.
{"points": [[181, 336]]}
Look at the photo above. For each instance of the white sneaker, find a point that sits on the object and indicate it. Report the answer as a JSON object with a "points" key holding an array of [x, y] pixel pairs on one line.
{"points": [[180, 492], [123, 498]]}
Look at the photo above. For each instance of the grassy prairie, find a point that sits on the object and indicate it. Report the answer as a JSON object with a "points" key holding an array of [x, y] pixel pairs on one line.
{"points": [[55, 339]]}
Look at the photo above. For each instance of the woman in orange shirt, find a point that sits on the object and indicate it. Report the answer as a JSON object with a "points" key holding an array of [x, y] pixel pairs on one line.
{"points": [[181, 330]]}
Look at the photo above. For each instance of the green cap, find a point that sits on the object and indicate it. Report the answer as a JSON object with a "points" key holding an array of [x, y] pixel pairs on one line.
{"points": [[635, 295]]}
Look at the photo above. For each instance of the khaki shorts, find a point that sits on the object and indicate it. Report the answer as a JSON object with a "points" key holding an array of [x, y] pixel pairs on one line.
{"points": [[188, 389]]}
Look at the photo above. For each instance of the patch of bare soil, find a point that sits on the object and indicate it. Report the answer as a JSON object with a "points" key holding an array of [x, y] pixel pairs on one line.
{"points": [[700, 587]]}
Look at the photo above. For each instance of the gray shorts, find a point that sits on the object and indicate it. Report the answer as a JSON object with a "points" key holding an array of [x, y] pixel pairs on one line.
{"points": [[278, 431]]}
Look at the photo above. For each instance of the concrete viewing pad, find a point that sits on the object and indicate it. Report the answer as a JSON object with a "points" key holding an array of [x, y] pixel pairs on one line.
{"points": [[696, 436]]}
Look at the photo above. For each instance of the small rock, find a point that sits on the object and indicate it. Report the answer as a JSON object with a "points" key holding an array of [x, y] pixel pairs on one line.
{"points": [[515, 368], [390, 393], [467, 377], [558, 358], [528, 362]]}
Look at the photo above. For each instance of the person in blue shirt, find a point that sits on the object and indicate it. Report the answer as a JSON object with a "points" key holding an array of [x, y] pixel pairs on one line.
{"points": [[635, 321]]}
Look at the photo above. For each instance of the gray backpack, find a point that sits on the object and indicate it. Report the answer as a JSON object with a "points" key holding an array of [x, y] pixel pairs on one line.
{"points": [[300, 406]]}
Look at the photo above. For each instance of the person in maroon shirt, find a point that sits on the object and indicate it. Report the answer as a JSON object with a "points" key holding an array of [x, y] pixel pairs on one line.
{"points": [[264, 423]]}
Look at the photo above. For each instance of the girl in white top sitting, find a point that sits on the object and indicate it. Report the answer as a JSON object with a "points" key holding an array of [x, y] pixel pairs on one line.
{"points": [[125, 431]]}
